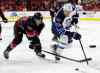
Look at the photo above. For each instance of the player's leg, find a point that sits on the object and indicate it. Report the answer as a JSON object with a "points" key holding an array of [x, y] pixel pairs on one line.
{"points": [[17, 40], [36, 45], [54, 31], [62, 44], [0, 32]]}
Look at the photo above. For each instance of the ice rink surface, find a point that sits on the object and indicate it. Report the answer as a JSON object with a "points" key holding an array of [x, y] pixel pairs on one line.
{"points": [[24, 60]]}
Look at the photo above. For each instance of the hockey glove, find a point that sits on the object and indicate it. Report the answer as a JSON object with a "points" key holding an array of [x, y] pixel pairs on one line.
{"points": [[69, 34], [75, 19], [5, 20], [76, 36]]}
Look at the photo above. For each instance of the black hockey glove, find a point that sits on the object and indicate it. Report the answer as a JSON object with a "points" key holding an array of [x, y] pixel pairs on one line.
{"points": [[5, 20], [69, 34], [75, 19], [76, 36]]}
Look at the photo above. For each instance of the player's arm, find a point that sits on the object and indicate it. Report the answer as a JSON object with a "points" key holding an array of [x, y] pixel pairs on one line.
{"points": [[3, 17]]}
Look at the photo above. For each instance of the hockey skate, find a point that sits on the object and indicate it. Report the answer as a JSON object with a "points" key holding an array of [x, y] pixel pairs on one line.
{"points": [[57, 58], [39, 54], [6, 54]]}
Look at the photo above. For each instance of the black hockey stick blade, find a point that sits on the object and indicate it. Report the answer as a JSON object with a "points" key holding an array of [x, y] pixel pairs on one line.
{"points": [[84, 60], [92, 46]]}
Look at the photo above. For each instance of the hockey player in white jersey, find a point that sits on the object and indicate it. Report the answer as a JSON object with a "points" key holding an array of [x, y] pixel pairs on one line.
{"points": [[68, 16]]}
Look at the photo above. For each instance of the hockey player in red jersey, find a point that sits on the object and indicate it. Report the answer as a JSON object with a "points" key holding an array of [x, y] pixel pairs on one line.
{"points": [[30, 26], [4, 20]]}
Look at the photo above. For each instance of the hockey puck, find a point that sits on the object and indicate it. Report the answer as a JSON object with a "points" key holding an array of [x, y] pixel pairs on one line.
{"points": [[84, 13], [77, 69], [92, 46]]}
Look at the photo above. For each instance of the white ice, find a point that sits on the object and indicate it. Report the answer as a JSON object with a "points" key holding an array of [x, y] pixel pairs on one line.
{"points": [[24, 60]]}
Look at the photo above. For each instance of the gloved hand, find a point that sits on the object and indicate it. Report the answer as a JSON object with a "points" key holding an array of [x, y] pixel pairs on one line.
{"points": [[75, 19], [76, 36], [5, 20]]}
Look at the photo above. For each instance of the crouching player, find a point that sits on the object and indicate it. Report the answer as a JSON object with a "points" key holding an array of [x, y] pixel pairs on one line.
{"points": [[68, 14], [30, 26]]}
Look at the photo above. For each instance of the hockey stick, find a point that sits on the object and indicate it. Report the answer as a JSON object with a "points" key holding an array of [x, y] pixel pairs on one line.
{"points": [[82, 49], [79, 61]]}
